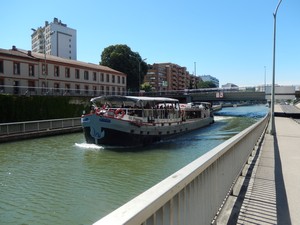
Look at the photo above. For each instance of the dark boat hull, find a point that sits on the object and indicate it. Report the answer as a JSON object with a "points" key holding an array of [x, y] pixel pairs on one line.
{"points": [[114, 132]]}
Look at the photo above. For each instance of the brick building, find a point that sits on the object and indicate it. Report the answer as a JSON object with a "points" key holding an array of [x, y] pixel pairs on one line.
{"points": [[169, 76]]}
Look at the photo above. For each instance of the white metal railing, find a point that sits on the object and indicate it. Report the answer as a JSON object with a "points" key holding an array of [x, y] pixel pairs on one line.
{"points": [[39, 125], [195, 193]]}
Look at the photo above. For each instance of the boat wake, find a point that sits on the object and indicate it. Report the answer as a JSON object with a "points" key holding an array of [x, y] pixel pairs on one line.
{"points": [[88, 146], [218, 118]]}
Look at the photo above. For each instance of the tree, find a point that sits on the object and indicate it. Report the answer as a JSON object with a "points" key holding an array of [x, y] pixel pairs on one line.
{"points": [[206, 84], [146, 87], [121, 58]]}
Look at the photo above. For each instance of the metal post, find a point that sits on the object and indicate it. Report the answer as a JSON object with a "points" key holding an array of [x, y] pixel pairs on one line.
{"points": [[272, 122]]}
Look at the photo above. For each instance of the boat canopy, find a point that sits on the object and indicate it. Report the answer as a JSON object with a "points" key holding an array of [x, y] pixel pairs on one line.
{"points": [[140, 101]]}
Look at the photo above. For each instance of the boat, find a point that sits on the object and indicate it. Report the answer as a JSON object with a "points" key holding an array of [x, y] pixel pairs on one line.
{"points": [[139, 120]]}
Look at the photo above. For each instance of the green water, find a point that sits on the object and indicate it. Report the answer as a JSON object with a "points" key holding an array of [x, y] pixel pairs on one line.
{"points": [[62, 180]]}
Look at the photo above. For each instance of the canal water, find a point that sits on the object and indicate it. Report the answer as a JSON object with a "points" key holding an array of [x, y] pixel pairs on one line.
{"points": [[63, 180]]}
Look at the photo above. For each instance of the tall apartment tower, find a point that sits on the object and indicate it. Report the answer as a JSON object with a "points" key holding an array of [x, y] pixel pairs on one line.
{"points": [[56, 39]]}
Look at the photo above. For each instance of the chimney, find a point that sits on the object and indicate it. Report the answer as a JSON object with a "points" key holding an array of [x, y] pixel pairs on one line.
{"points": [[29, 53], [14, 48]]}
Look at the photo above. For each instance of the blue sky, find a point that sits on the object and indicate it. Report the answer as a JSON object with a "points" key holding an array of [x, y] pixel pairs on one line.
{"points": [[231, 40]]}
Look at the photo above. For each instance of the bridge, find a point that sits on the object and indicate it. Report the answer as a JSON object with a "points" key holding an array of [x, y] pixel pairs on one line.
{"points": [[251, 178], [214, 95]]}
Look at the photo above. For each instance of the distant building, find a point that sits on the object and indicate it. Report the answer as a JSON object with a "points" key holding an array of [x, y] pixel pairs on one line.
{"points": [[170, 76], [28, 73], [210, 78], [229, 85], [56, 39]]}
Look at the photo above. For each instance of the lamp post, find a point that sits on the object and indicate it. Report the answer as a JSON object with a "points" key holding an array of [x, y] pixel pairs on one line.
{"points": [[272, 124], [45, 60], [44, 41]]}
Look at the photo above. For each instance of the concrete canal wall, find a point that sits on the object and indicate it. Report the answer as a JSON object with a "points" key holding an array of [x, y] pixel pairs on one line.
{"points": [[41, 128], [196, 193]]}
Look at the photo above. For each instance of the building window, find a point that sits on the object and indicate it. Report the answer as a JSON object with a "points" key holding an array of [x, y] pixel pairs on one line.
{"points": [[56, 71], [2, 85], [67, 72], [56, 87], [77, 74], [67, 88], [86, 75], [45, 69], [94, 76], [86, 89], [107, 90], [102, 77], [95, 90], [1, 67], [113, 78], [107, 77], [77, 87], [119, 79], [17, 68], [102, 90], [123, 80], [31, 70], [31, 85]]}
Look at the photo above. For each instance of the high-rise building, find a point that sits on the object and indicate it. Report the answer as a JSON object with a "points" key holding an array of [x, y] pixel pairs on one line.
{"points": [[56, 39], [170, 77]]}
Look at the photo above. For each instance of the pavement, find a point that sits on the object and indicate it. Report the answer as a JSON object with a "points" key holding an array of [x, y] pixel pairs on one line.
{"points": [[272, 195]]}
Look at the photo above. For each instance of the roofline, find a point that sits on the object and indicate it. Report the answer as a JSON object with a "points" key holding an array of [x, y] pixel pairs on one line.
{"points": [[28, 54]]}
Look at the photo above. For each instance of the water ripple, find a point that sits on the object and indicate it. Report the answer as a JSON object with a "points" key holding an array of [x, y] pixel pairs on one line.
{"points": [[62, 180]]}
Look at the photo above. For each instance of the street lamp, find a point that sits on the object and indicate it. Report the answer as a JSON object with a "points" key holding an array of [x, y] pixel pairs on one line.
{"points": [[272, 122], [45, 60], [44, 41]]}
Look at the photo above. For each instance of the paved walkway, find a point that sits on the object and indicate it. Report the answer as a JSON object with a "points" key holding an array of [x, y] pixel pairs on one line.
{"points": [[273, 193]]}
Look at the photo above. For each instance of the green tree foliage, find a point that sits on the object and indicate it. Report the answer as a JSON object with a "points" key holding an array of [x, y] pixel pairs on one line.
{"points": [[146, 87], [121, 58], [206, 84]]}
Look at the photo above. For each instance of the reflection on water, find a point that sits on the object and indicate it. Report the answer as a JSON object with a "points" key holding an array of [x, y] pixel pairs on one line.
{"points": [[63, 180]]}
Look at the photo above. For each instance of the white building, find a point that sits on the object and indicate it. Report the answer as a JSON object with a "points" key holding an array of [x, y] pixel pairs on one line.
{"points": [[56, 39], [210, 78]]}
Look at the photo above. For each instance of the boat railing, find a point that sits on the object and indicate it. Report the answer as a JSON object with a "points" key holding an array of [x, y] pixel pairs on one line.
{"points": [[150, 114], [161, 113]]}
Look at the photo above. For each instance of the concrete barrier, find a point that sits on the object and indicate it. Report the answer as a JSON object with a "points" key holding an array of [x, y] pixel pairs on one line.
{"points": [[196, 193]]}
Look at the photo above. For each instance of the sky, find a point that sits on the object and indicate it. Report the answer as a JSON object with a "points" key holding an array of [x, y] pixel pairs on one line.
{"points": [[231, 40]]}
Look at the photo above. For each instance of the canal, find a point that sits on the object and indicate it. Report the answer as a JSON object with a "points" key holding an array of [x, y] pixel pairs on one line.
{"points": [[62, 180]]}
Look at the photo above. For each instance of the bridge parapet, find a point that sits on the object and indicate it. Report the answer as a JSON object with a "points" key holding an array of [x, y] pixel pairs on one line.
{"points": [[194, 194]]}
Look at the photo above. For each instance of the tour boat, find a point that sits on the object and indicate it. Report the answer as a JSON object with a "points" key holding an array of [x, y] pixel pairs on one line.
{"points": [[136, 121]]}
